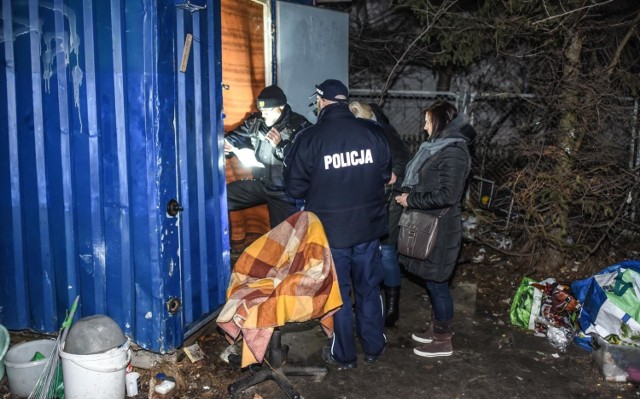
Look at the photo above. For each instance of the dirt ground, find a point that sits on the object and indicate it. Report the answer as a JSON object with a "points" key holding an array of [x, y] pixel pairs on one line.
{"points": [[492, 358]]}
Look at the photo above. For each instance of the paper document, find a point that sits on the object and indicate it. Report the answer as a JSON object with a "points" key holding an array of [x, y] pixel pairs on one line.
{"points": [[247, 158]]}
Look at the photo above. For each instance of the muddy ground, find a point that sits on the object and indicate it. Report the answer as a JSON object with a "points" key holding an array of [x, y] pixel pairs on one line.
{"points": [[492, 358]]}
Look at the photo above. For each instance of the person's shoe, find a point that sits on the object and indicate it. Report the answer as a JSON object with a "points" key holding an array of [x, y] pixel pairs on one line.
{"points": [[435, 330], [374, 358], [235, 362], [329, 359], [436, 348], [425, 337], [392, 311]]}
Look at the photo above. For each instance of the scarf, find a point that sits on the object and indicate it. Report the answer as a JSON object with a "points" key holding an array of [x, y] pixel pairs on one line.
{"points": [[426, 151]]}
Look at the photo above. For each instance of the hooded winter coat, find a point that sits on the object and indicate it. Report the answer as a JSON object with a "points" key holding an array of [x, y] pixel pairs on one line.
{"points": [[441, 184]]}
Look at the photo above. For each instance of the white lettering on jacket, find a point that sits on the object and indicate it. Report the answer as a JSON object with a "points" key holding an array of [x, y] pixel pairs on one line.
{"points": [[349, 158]]}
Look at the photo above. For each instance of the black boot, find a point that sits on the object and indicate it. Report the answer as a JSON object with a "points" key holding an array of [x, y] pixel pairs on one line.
{"points": [[391, 310]]}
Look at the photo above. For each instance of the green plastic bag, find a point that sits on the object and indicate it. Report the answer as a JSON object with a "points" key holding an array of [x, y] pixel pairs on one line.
{"points": [[526, 305]]}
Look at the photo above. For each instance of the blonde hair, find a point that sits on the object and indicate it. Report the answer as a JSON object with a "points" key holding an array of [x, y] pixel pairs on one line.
{"points": [[361, 110]]}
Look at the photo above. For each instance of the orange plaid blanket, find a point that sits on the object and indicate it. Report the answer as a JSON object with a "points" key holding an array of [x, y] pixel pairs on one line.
{"points": [[287, 275]]}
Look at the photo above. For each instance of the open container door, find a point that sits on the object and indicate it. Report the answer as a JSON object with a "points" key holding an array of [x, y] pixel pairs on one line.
{"points": [[203, 221], [312, 45]]}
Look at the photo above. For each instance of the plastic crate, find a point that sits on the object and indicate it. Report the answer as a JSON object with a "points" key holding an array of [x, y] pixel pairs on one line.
{"points": [[617, 362]]}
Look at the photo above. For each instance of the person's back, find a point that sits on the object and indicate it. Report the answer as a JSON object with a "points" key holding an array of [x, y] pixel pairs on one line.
{"points": [[340, 167], [348, 157]]}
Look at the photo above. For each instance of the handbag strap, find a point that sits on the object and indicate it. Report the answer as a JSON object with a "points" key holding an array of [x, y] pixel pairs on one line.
{"points": [[443, 212]]}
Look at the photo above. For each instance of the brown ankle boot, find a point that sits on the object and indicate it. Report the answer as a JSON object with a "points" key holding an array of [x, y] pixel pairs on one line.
{"points": [[440, 344], [426, 336]]}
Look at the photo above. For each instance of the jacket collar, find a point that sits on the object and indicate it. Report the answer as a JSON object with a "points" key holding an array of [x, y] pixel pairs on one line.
{"points": [[334, 110], [284, 116]]}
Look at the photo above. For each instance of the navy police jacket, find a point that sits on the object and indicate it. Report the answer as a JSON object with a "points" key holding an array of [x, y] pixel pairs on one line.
{"points": [[339, 166]]}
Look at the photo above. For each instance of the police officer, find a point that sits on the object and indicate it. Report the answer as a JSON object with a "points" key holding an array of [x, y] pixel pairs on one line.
{"points": [[269, 133], [340, 167]]}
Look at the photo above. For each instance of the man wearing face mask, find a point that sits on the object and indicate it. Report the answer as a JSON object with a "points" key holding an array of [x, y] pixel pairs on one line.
{"points": [[340, 167], [269, 133]]}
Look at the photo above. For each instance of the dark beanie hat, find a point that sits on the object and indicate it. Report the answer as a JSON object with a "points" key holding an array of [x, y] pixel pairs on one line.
{"points": [[271, 97]]}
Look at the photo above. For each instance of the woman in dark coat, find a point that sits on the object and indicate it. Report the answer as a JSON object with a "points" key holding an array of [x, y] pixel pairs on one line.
{"points": [[435, 181]]}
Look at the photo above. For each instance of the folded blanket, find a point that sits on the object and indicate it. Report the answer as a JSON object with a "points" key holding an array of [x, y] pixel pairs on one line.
{"points": [[287, 275]]}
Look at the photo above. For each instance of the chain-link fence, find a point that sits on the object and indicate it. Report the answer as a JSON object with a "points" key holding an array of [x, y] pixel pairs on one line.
{"points": [[504, 124]]}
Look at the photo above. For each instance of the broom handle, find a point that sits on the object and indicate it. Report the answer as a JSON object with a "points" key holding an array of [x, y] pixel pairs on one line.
{"points": [[69, 319]]}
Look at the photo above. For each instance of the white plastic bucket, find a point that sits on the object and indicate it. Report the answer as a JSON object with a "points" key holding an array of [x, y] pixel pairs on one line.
{"points": [[96, 376], [23, 373]]}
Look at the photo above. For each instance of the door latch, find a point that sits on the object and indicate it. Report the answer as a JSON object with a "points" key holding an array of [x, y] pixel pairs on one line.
{"points": [[173, 207]]}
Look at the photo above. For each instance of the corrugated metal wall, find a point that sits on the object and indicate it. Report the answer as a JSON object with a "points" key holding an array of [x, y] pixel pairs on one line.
{"points": [[98, 131]]}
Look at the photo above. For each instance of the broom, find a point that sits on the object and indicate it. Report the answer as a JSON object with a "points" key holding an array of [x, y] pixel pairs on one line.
{"points": [[47, 383]]}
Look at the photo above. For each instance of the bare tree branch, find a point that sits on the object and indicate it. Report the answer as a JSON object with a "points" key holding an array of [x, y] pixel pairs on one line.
{"points": [[623, 43], [571, 11], [446, 5]]}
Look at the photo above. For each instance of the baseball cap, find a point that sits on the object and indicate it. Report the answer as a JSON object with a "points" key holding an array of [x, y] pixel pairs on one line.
{"points": [[332, 89], [271, 97]]}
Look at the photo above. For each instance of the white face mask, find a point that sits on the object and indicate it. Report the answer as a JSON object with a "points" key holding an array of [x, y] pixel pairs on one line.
{"points": [[271, 115]]}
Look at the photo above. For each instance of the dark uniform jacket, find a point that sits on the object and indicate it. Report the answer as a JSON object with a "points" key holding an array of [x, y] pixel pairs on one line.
{"points": [[400, 156], [252, 133], [340, 166], [442, 181]]}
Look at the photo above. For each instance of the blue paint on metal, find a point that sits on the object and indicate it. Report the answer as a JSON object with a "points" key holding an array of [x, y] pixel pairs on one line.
{"points": [[184, 170], [65, 265], [11, 242], [119, 215], [98, 131], [217, 205], [45, 284], [199, 150]]}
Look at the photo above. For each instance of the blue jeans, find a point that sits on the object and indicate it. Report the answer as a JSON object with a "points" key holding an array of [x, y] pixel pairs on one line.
{"points": [[441, 300], [390, 265], [358, 268]]}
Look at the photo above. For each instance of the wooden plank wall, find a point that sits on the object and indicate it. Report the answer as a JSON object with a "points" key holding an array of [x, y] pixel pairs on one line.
{"points": [[243, 72]]}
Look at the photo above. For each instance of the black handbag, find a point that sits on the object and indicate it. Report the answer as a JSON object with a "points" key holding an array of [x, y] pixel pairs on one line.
{"points": [[418, 231]]}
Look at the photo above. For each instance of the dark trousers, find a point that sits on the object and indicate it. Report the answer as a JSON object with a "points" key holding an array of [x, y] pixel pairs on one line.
{"points": [[242, 194], [360, 268], [441, 300]]}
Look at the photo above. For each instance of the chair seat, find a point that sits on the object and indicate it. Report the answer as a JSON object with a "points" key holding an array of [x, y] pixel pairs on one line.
{"points": [[286, 276], [275, 368]]}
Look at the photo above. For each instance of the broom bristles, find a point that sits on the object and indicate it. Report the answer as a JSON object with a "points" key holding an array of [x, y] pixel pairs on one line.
{"points": [[47, 383], [44, 389]]}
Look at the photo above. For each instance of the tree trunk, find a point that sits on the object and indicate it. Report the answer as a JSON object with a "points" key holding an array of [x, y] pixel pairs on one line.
{"points": [[444, 80], [570, 134]]}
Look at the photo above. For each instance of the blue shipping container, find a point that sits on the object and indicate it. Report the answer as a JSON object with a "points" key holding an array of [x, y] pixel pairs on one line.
{"points": [[103, 123]]}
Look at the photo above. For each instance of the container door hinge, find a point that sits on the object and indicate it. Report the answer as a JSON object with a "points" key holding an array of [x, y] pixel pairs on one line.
{"points": [[173, 305]]}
